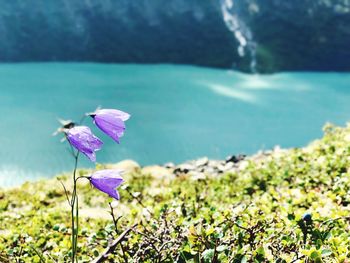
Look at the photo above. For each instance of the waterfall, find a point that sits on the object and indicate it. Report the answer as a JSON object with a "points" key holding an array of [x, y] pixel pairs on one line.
{"points": [[241, 32]]}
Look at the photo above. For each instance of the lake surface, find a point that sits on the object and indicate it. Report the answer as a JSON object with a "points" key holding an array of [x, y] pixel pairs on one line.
{"points": [[178, 112]]}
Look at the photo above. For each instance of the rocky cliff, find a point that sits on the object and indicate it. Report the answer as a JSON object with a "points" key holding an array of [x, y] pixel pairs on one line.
{"points": [[262, 35]]}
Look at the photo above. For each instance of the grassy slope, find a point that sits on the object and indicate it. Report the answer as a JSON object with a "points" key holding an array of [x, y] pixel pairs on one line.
{"points": [[251, 216]]}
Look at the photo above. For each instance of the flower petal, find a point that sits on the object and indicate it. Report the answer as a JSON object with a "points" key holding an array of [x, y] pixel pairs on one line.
{"points": [[111, 122], [81, 138], [107, 181], [117, 113]]}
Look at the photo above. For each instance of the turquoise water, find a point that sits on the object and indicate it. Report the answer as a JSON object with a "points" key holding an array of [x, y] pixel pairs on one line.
{"points": [[178, 112]]}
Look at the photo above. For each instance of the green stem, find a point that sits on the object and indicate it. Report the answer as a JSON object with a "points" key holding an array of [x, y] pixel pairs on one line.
{"points": [[77, 226], [73, 229], [74, 209]]}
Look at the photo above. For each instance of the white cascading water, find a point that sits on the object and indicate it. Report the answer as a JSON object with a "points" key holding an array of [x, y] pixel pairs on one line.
{"points": [[241, 32]]}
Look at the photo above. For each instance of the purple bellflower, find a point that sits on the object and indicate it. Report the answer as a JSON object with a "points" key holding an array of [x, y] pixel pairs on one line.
{"points": [[111, 122], [81, 138], [107, 181]]}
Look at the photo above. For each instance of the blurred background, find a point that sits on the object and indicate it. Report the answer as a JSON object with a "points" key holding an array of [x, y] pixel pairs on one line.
{"points": [[200, 78]]}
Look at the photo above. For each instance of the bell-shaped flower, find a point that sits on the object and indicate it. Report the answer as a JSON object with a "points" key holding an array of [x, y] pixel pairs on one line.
{"points": [[82, 139], [107, 181], [111, 122]]}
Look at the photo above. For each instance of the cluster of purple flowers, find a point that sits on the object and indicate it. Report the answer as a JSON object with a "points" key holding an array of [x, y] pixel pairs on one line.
{"points": [[112, 123]]}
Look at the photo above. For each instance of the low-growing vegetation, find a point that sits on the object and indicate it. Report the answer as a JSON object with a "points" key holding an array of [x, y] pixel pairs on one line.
{"points": [[290, 206]]}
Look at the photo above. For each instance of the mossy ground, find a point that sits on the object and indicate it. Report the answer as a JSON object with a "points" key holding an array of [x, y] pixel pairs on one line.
{"points": [[254, 215]]}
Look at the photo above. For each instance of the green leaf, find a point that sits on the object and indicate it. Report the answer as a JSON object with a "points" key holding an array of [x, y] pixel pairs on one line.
{"points": [[315, 255], [260, 251], [221, 248], [326, 252], [244, 259], [95, 252], [208, 255]]}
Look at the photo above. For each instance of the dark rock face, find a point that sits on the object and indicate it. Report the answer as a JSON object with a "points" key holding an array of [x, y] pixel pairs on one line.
{"points": [[290, 35], [140, 31], [300, 34]]}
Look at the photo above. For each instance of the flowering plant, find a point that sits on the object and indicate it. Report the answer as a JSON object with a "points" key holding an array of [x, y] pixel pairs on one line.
{"points": [[82, 140]]}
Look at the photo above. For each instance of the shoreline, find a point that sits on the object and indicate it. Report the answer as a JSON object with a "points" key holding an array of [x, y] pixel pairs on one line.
{"points": [[199, 168]]}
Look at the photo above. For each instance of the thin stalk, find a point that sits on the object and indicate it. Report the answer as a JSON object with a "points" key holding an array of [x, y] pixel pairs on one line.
{"points": [[112, 246], [40, 255], [73, 229], [74, 211], [115, 221], [77, 225], [65, 191]]}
